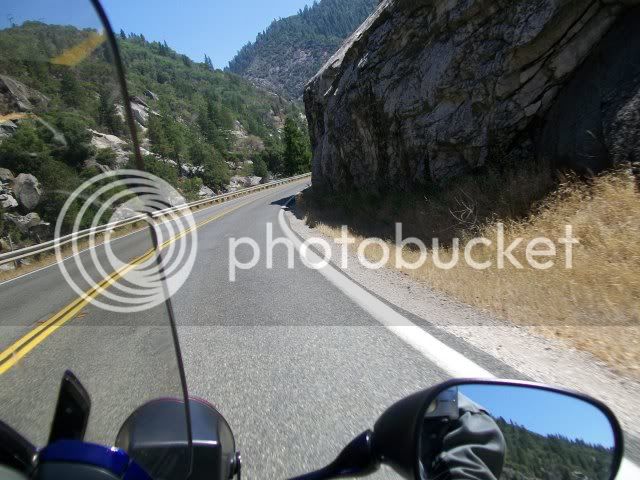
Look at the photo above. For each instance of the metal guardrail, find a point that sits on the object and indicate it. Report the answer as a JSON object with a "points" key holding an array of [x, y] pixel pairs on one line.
{"points": [[61, 241]]}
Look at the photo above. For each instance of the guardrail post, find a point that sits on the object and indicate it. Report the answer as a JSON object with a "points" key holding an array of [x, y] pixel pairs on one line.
{"points": [[16, 262]]}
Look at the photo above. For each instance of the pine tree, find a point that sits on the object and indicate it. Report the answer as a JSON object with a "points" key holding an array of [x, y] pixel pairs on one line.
{"points": [[70, 90], [208, 63], [123, 36], [108, 115], [296, 150]]}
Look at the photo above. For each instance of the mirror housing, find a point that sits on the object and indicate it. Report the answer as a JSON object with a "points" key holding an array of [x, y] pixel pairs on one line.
{"points": [[16, 452], [154, 436], [397, 433]]}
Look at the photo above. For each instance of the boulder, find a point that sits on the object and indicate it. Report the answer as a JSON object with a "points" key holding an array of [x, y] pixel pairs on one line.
{"points": [[119, 146], [7, 267], [123, 213], [24, 222], [40, 231], [7, 129], [238, 182], [254, 181], [151, 95], [17, 97], [139, 100], [205, 192], [7, 201], [427, 90], [27, 191], [6, 175], [189, 170], [140, 113]]}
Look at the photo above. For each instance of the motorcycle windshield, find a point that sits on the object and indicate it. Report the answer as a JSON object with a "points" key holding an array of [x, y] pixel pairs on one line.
{"points": [[83, 288]]}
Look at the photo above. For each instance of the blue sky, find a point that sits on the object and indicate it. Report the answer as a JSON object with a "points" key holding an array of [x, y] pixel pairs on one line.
{"points": [[218, 28], [544, 412]]}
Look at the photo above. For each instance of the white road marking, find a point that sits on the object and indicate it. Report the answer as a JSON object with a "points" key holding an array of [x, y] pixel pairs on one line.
{"points": [[441, 355]]}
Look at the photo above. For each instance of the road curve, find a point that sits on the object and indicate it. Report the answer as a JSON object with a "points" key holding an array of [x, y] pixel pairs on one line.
{"points": [[296, 366]]}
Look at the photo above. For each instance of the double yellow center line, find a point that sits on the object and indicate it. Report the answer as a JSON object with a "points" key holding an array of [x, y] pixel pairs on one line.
{"points": [[13, 354]]}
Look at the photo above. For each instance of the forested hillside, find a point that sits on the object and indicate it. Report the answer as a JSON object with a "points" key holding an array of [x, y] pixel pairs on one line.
{"points": [[62, 120], [286, 55], [531, 456]]}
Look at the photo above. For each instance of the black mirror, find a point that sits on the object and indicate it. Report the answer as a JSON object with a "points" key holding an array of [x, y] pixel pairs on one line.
{"points": [[499, 430]]}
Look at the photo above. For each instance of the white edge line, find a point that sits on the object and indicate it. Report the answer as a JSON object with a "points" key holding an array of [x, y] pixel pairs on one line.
{"points": [[441, 355]]}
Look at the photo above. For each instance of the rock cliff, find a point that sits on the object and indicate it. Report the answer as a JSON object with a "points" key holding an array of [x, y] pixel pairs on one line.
{"points": [[429, 89]]}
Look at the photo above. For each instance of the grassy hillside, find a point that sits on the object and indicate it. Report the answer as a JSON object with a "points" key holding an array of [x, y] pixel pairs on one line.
{"points": [[293, 49], [590, 306]]}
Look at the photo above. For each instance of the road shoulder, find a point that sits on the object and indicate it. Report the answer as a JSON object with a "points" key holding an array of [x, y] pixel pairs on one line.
{"points": [[520, 348]]}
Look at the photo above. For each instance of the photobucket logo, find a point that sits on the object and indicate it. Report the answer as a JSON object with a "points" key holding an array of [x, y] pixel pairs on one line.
{"points": [[540, 253], [107, 276]]}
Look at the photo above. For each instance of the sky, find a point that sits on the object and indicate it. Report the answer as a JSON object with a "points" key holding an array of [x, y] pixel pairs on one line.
{"points": [[544, 412], [218, 28]]}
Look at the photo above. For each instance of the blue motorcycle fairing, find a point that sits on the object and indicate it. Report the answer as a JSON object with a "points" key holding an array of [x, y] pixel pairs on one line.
{"points": [[112, 459]]}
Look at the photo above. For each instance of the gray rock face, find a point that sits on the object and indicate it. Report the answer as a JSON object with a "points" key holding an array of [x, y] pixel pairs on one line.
{"points": [[17, 97], [151, 95], [429, 89], [7, 129], [205, 192], [119, 146], [25, 222], [237, 182], [141, 111], [7, 201], [595, 123], [27, 190], [6, 175]]}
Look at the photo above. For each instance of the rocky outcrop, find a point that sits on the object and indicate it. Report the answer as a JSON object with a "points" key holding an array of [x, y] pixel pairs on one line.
{"points": [[7, 201], [27, 190], [151, 95], [141, 111], [429, 89], [116, 144], [595, 122], [26, 223], [17, 97], [238, 182], [7, 129], [6, 175], [205, 192]]}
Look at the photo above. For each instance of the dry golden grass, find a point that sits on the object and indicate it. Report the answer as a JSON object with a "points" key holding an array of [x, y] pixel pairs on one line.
{"points": [[595, 306]]}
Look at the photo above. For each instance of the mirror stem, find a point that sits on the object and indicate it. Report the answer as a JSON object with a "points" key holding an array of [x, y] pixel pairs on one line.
{"points": [[356, 460]]}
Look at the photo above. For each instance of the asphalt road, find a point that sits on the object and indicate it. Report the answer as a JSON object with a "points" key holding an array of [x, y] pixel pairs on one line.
{"points": [[295, 365]]}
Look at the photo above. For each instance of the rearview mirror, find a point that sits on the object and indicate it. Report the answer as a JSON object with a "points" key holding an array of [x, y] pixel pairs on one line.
{"points": [[499, 430]]}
